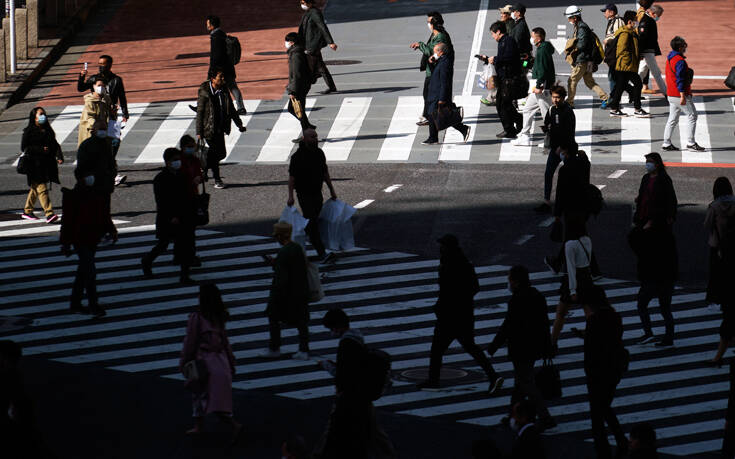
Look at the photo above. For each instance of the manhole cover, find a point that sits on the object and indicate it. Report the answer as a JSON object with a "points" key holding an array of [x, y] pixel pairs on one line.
{"points": [[270, 53], [446, 374], [342, 62]]}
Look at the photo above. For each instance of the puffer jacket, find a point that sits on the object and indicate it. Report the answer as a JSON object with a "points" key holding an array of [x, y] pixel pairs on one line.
{"points": [[95, 108], [627, 55], [720, 213]]}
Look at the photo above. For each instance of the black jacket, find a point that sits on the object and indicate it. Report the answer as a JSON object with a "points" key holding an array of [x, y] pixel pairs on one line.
{"points": [[299, 74], [115, 89], [43, 167], [458, 285], [648, 36], [561, 124], [508, 60], [526, 327], [603, 345], [440, 84], [313, 30], [218, 54], [661, 205], [94, 157], [308, 167], [173, 200], [574, 176], [522, 36], [215, 116], [349, 374], [528, 445]]}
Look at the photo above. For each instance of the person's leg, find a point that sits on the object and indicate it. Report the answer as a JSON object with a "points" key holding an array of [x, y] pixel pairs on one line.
{"points": [[612, 419], [506, 110], [524, 380], [572, 82], [529, 110], [467, 339], [439, 344], [88, 273], [235, 91], [637, 87], [643, 68], [274, 330], [31, 199], [311, 206], [665, 292], [160, 247], [552, 162], [673, 121], [645, 294], [611, 79], [691, 114], [322, 69], [44, 198], [433, 132], [598, 410], [303, 329], [426, 94], [561, 314], [589, 80], [650, 59]]}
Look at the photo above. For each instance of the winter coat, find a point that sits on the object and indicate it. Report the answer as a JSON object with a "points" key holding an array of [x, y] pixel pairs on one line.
{"points": [[42, 164], [94, 157], [85, 216], [526, 326], [95, 108], [585, 43], [648, 33], [508, 60], [676, 71], [543, 66], [458, 285], [522, 36], [660, 206], [574, 176], [115, 89], [720, 214], [218, 54], [288, 297], [209, 123], [314, 31], [299, 72], [627, 54], [440, 85], [173, 200], [561, 123], [427, 49]]}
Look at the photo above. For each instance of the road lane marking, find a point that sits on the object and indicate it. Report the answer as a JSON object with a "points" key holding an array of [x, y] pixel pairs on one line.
{"points": [[392, 188], [469, 81], [617, 174], [363, 204]]}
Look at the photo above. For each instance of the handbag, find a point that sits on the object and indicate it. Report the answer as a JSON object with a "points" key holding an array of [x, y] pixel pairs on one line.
{"points": [[557, 231], [548, 380], [298, 110], [201, 202], [201, 153], [196, 374], [447, 115], [23, 166]]}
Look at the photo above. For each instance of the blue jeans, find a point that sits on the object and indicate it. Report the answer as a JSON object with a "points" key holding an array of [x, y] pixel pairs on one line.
{"points": [[552, 162]]}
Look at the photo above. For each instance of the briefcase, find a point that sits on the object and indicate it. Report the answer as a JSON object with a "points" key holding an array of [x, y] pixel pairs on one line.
{"points": [[447, 115]]}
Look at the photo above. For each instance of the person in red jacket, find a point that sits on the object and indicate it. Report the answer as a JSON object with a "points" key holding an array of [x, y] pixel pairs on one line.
{"points": [[679, 93], [85, 221]]}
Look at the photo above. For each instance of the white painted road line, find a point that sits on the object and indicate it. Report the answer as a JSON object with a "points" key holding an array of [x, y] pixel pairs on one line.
{"points": [[470, 77], [454, 147], [392, 188], [66, 122], [42, 229], [599, 187], [231, 140], [168, 134], [523, 239], [135, 111], [278, 146], [363, 204], [617, 174], [402, 130], [346, 127], [546, 223]]}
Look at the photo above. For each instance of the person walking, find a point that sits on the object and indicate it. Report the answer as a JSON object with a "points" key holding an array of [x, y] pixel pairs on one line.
{"points": [[115, 89], [627, 57], [455, 316], [288, 299], [299, 81], [720, 225], [679, 94], [94, 157], [85, 220], [508, 66], [215, 114], [614, 22], [43, 156], [206, 342], [440, 94], [439, 34], [652, 240], [97, 107], [315, 33], [540, 98], [220, 59], [580, 57], [307, 172], [649, 49], [175, 216], [520, 32], [526, 330]]}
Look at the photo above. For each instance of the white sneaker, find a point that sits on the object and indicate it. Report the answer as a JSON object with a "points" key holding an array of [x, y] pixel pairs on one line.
{"points": [[269, 354], [523, 140], [300, 356], [119, 179]]}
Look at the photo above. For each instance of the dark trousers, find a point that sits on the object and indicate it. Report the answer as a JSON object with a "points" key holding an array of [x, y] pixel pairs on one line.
{"points": [[434, 132], [601, 393], [86, 278], [184, 247], [622, 80], [274, 328], [464, 332], [664, 291], [511, 120], [552, 163], [319, 69], [426, 95], [304, 120], [524, 386], [217, 152], [311, 206]]}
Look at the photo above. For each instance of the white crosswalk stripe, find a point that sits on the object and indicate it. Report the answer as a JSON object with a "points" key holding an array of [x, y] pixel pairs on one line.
{"points": [[279, 144], [169, 133], [389, 296], [346, 126], [402, 130]]}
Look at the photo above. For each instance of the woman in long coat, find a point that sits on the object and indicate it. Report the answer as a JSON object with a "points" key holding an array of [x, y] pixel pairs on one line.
{"points": [[43, 156], [97, 106]]}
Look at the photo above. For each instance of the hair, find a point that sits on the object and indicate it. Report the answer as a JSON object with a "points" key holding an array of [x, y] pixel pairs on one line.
{"points": [[214, 71], [170, 153], [559, 89], [644, 433], [519, 273], [214, 20], [443, 47], [186, 139], [677, 43], [594, 297], [294, 37], [658, 10], [540, 31], [101, 78], [645, 3], [576, 228], [336, 318], [32, 120], [722, 187], [107, 57], [525, 408], [628, 16], [211, 305], [436, 18], [498, 26]]}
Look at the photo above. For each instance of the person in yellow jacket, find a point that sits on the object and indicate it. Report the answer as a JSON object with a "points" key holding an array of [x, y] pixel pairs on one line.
{"points": [[97, 107], [627, 56]]}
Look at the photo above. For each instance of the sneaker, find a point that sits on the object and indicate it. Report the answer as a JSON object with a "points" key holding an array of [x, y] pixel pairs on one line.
{"points": [[427, 385], [596, 277], [300, 356], [640, 113], [670, 147], [269, 353], [422, 122], [665, 343], [542, 208], [242, 112], [603, 104], [495, 385], [120, 179], [522, 140], [647, 339], [617, 112], [219, 185], [429, 142], [52, 218], [551, 264], [487, 102], [467, 134], [97, 311], [193, 108], [328, 257], [26, 216], [695, 147]]}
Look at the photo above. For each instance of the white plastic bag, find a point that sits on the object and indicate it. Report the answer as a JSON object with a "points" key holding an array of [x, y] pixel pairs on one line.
{"points": [[487, 73], [292, 216], [335, 225]]}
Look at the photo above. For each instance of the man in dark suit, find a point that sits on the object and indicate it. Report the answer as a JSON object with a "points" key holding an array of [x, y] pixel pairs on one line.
{"points": [[299, 81], [313, 30], [526, 330], [440, 92], [218, 58], [508, 65], [528, 443]]}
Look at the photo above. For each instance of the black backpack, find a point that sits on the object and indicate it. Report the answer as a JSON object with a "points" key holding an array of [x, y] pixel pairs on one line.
{"points": [[611, 50], [730, 80], [377, 372], [593, 199], [234, 50]]}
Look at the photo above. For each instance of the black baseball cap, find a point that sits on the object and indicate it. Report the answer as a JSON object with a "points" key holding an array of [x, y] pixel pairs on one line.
{"points": [[520, 7], [611, 7]]}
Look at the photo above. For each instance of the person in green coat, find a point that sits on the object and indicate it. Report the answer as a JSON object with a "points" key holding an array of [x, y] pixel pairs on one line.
{"points": [[438, 35]]}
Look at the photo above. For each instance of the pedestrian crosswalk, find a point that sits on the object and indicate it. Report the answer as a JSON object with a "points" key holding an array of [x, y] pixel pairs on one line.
{"points": [[382, 128], [388, 295]]}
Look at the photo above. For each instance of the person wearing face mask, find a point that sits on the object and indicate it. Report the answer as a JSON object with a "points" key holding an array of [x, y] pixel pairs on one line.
{"points": [[627, 57], [579, 56], [435, 23], [506, 17], [44, 156], [520, 31], [526, 330], [315, 35], [648, 33], [652, 240], [527, 443], [85, 221], [508, 66], [97, 107], [175, 216], [191, 167], [299, 81], [94, 157]]}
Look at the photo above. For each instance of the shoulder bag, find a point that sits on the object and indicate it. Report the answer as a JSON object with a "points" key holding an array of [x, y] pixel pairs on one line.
{"points": [[22, 166], [201, 202]]}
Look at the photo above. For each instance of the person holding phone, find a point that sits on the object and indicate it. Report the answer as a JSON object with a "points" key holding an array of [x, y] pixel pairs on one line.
{"points": [[438, 35]]}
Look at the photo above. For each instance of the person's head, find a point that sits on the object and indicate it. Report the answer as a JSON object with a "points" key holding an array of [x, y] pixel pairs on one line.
{"points": [[294, 448], [523, 413], [211, 305], [212, 22], [435, 21], [645, 4], [38, 118], [518, 278], [10, 354], [217, 78], [558, 95], [610, 11], [187, 144], [105, 63], [172, 158], [642, 436], [573, 14], [100, 87], [654, 163], [448, 244], [722, 187], [440, 49], [282, 232], [306, 4], [311, 138], [629, 19], [505, 13], [568, 151], [99, 129], [539, 35], [679, 44], [517, 11], [656, 11], [497, 29], [336, 321], [291, 39]]}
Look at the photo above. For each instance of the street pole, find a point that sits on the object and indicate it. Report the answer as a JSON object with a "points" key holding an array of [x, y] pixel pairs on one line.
{"points": [[12, 37]]}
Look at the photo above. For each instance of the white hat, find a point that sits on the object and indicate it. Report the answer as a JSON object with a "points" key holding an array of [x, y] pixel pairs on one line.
{"points": [[573, 10]]}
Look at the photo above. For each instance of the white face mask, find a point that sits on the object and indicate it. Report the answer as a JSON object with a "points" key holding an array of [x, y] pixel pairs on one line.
{"points": [[89, 180], [428, 24], [176, 165], [515, 15], [99, 90], [288, 45], [304, 7], [435, 56]]}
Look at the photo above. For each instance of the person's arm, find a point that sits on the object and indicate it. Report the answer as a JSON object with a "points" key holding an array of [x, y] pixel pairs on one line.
{"points": [[281, 278], [318, 20], [544, 62], [202, 100], [291, 184], [218, 51], [83, 85], [445, 84], [583, 39], [680, 75], [559, 200], [123, 100], [501, 336], [191, 341], [233, 113], [328, 181]]}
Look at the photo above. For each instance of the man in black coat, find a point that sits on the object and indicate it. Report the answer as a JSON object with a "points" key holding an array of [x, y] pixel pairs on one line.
{"points": [[649, 49], [218, 58], [440, 93], [299, 80], [526, 330], [94, 157], [520, 32], [508, 66], [313, 30], [455, 316]]}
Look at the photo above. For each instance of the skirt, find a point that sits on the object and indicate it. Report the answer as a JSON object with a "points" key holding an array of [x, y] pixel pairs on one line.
{"points": [[584, 282]]}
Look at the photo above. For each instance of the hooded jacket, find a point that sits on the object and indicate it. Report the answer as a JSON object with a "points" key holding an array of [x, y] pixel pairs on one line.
{"points": [[627, 53]]}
